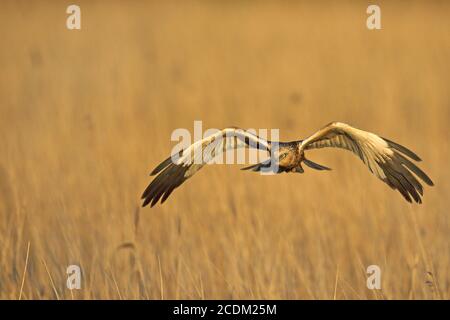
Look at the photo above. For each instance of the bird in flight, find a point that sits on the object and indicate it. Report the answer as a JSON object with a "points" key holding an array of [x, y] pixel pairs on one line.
{"points": [[385, 159]]}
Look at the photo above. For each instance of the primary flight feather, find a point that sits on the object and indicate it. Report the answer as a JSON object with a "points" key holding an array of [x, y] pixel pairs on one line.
{"points": [[385, 159]]}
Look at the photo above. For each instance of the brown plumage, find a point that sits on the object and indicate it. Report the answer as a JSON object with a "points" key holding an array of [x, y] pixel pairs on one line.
{"points": [[385, 159]]}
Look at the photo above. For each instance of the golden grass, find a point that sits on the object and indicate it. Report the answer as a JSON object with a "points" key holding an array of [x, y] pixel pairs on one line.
{"points": [[85, 115]]}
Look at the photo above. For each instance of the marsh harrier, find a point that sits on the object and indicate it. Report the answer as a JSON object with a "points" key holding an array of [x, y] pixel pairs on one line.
{"points": [[385, 159]]}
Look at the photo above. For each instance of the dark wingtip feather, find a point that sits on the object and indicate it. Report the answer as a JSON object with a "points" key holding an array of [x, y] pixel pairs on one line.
{"points": [[161, 166], [399, 178], [163, 185], [416, 170], [402, 149], [146, 202]]}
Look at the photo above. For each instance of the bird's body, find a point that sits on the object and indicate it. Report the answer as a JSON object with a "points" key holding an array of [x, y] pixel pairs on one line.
{"points": [[285, 157], [384, 158], [289, 157]]}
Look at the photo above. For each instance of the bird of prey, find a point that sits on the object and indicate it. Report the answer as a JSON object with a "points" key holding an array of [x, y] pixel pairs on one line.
{"points": [[385, 159]]}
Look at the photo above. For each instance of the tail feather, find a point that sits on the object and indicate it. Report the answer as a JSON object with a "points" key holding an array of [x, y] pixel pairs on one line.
{"points": [[254, 167], [314, 165], [265, 167], [258, 166]]}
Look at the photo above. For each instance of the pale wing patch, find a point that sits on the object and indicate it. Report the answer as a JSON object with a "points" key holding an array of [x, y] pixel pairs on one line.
{"points": [[203, 151]]}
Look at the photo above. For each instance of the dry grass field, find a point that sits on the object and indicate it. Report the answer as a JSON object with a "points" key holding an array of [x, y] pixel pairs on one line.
{"points": [[85, 116]]}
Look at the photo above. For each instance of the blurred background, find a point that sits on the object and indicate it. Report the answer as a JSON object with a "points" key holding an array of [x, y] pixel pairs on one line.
{"points": [[86, 114]]}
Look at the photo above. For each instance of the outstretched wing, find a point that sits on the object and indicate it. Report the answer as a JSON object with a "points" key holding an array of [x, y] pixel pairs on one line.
{"points": [[384, 158], [176, 169]]}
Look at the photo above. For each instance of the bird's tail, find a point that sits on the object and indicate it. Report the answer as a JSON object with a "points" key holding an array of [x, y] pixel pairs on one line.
{"points": [[314, 165], [265, 166]]}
